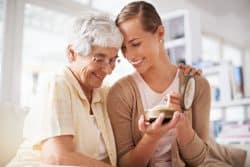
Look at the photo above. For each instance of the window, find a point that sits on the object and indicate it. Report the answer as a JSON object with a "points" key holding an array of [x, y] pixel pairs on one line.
{"points": [[82, 1], [1, 31], [44, 47], [210, 49], [232, 54]]}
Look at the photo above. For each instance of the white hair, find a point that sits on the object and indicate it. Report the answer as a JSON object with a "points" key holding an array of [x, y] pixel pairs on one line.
{"points": [[94, 29]]}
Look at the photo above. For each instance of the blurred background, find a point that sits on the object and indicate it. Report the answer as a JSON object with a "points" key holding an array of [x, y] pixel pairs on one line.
{"points": [[213, 35]]}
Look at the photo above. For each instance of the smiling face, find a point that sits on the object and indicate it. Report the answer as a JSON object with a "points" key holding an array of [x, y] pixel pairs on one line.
{"points": [[91, 70], [140, 47]]}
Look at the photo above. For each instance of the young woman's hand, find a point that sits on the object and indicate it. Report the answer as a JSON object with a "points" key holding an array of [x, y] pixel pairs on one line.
{"points": [[184, 130], [189, 70], [156, 129], [172, 101]]}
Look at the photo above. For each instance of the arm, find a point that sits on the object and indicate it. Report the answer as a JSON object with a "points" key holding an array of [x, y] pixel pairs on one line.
{"points": [[144, 150], [202, 102], [121, 103], [60, 151], [201, 109], [200, 126], [57, 127], [192, 142]]}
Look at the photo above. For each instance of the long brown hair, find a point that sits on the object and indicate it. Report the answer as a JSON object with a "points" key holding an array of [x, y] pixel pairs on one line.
{"points": [[146, 12]]}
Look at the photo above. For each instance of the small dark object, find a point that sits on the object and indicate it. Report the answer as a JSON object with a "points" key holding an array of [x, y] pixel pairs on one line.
{"points": [[187, 95]]}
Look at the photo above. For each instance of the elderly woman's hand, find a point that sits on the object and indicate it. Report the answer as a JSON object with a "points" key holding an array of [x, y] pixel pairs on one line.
{"points": [[189, 70]]}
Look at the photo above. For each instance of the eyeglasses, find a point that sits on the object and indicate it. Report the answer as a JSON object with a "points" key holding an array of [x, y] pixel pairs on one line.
{"points": [[103, 61]]}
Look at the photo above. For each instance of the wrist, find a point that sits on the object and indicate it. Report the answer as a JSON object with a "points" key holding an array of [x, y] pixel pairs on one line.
{"points": [[151, 138], [184, 138]]}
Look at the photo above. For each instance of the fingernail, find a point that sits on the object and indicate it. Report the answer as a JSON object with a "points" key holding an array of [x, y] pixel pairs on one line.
{"points": [[177, 115]]}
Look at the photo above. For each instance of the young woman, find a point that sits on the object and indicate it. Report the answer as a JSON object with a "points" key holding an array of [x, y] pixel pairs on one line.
{"points": [[184, 140]]}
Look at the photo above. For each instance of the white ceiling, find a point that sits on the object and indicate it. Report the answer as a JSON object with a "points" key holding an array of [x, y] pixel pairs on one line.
{"points": [[223, 8]]}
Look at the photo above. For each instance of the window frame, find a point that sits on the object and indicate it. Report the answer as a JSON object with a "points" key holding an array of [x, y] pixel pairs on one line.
{"points": [[10, 82]]}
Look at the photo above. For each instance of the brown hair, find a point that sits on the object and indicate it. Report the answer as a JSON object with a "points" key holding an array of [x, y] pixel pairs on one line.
{"points": [[148, 15]]}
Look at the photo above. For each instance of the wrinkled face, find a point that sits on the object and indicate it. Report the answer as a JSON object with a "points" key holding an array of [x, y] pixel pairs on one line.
{"points": [[141, 48], [94, 67]]}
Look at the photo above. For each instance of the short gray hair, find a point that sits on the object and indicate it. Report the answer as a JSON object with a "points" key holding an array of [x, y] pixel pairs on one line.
{"points": [[94, 29]]}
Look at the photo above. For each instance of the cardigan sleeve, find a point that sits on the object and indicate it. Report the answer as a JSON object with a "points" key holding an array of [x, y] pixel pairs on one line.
{"points": [[201, 108], [200, 124], [119, 105]]}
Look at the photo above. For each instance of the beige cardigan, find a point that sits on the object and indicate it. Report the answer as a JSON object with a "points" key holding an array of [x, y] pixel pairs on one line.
{"points": [[125, 106]]}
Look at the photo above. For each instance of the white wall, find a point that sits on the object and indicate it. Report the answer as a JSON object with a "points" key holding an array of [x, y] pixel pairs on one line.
{"points": [[230, 26], [230, 23]]}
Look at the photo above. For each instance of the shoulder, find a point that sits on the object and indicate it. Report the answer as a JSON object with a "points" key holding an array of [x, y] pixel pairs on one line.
{"points": [[124, 90], [202, 89], [103, 91], [59, 82], [55, 83], [202, 83], [200, 80], [124, 84]]}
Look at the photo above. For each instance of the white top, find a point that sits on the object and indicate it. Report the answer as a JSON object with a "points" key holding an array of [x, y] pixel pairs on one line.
{"points": [[150, 98], [102, 148]]}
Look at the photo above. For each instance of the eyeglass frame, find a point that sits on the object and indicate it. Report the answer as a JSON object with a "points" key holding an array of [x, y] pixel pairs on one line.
{"points": [[102, 61]]}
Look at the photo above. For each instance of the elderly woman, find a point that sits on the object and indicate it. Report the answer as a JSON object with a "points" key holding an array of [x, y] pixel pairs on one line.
{"points": [[70, 125]]}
